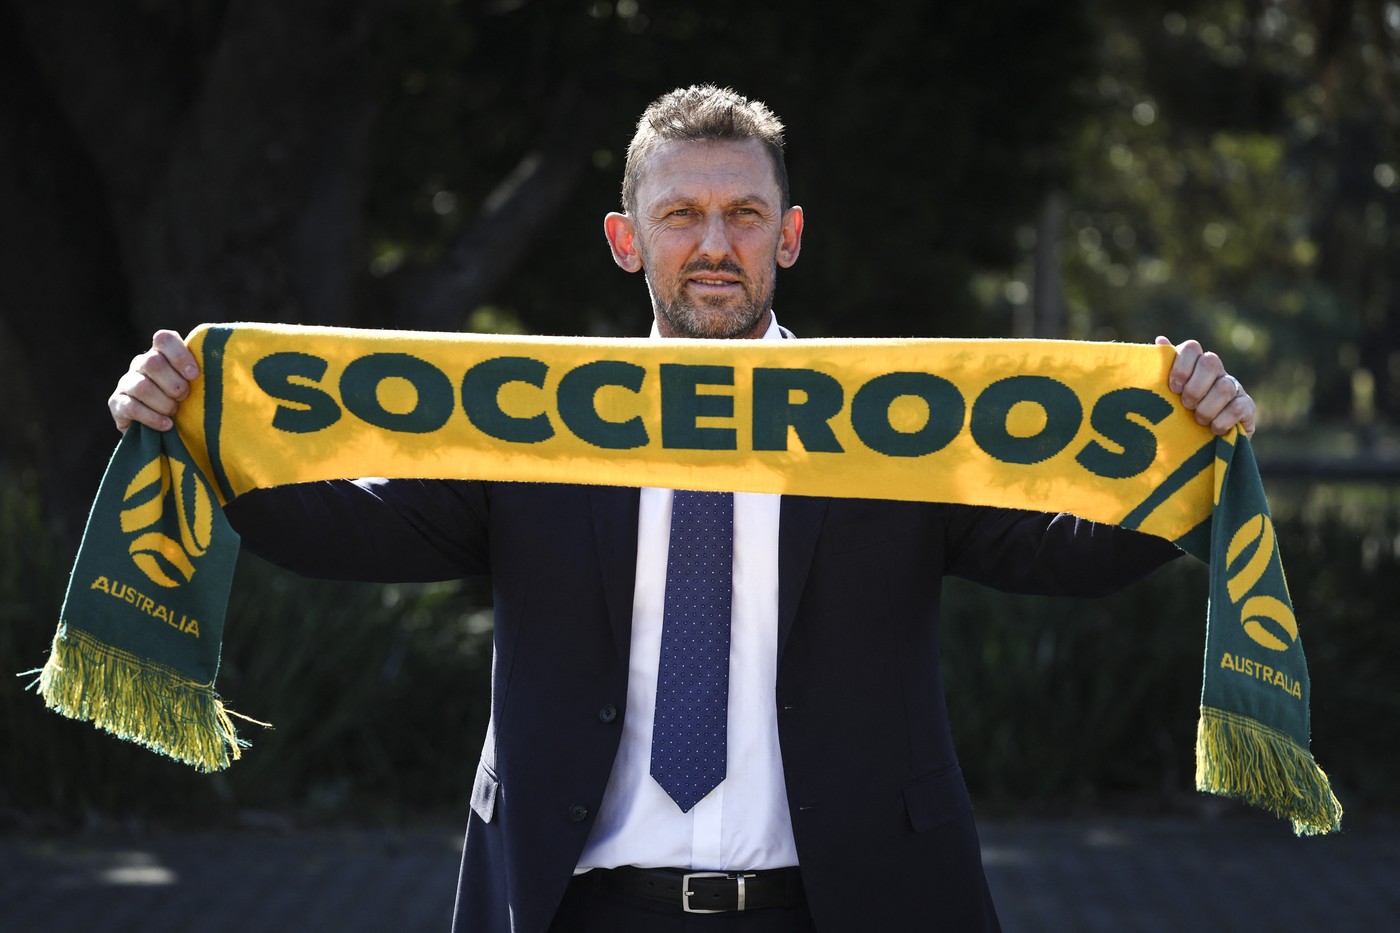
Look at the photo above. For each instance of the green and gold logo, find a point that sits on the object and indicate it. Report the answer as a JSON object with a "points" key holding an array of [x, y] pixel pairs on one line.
{"points": [[1268, 620], [169, 510]]}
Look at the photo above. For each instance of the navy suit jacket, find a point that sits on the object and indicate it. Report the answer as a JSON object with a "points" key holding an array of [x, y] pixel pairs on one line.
{"points": [[880, 813]]}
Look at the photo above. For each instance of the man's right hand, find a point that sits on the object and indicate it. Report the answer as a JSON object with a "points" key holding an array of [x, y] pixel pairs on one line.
{"points": [[155, 385]]}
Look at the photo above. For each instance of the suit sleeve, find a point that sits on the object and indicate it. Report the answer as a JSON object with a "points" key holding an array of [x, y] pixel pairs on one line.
{"points": [[1045, 554], [371, 530]]}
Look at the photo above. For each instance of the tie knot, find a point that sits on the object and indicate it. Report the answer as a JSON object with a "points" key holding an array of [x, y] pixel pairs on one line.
{"points": [[691, 502]]}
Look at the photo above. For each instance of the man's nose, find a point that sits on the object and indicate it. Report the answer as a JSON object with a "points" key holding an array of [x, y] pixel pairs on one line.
{"points": [[714, 242]]}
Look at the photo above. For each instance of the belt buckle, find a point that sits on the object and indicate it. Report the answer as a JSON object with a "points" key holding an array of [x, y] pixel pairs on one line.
{"points": [[687, 894]]}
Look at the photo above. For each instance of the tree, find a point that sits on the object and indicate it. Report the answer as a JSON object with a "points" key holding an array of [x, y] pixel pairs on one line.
{"points": [[1232, 182], [440, 164]]}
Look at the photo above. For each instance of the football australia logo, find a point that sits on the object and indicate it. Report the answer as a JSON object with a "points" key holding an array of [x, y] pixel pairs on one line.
{"points": [[168, 513], [1267, 619]]}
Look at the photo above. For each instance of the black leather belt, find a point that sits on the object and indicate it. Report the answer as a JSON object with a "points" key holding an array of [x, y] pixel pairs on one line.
{"points": [[706, 892]]}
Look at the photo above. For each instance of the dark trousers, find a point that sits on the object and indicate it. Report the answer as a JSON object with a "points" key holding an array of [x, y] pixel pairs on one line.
{"points": [[589, 909]]}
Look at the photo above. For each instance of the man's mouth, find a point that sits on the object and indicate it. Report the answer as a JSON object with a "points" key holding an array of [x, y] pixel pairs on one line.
{"points": [[715, 280], [719, 278]]}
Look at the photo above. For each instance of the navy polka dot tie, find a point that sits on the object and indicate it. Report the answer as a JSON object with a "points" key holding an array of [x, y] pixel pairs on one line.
{"points": [[690, 732]]}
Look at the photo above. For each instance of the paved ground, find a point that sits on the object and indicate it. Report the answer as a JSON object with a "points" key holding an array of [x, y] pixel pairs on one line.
{"points": [[1239, 874], [1244, 875]]}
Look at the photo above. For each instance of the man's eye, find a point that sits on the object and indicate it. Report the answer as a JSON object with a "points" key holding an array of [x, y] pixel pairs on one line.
{"points": [[681, 212]]}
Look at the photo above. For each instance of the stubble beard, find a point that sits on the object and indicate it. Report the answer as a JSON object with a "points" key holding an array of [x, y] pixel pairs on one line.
{"points": [[712, 318]]}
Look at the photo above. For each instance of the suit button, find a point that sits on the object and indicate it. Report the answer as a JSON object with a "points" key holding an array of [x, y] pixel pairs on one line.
{"points": [[607, 713], [578, 813]]}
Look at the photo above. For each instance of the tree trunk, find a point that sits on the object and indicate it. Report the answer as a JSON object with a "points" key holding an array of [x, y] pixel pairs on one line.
{"points": [[169, 165], [1046, 305], [63, 297], [528, 199]]}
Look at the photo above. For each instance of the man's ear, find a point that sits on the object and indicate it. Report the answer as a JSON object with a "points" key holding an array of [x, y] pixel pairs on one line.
{"points": [[790, 241], [622, 239]]}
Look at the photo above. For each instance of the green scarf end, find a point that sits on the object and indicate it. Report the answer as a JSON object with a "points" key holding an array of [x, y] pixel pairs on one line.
{"points": [[1240, 757], [137, 700]]}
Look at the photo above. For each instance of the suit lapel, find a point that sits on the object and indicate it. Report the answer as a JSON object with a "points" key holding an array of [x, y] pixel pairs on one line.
{"points": [[798, 528], [615, 530]]}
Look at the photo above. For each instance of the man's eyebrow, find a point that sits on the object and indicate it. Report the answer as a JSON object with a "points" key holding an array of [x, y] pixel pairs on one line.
{"points": [[679, 199], [757, 200], [676, 199]]}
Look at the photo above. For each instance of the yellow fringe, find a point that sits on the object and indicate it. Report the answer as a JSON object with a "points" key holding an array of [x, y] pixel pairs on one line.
{"points": [[137, 700], [1240, 757]]}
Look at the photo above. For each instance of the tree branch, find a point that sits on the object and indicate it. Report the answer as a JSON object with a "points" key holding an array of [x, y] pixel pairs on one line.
{"points": [[527, 199]]}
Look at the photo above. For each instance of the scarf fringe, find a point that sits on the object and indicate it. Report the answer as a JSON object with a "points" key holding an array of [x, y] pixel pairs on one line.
{"points": [[137, 700], [1240, 757]]}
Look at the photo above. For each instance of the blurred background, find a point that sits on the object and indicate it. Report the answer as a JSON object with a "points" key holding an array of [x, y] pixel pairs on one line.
{"points": [[1090, 169]]}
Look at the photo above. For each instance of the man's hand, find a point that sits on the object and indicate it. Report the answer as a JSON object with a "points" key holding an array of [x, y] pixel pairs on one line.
{"points": [[155, 385], [1207, 389]]}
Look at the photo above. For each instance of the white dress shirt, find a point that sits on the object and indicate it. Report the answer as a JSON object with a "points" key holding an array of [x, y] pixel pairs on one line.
{"points": [[744, 822]]}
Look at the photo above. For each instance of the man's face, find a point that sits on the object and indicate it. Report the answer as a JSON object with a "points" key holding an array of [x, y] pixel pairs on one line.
{"points": [[709, 232]]}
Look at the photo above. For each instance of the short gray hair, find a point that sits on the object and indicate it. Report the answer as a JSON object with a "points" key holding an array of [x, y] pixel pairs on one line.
{"points": [[700, 113]]}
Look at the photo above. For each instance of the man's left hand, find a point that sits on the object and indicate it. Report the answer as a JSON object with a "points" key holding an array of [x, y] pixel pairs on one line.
{"points": [[1216, 397]]}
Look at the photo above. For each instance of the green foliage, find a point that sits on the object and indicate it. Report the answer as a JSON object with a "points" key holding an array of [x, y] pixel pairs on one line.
{"points": [[1342, 549], [1234, 180], [1228, 171], [379, 694], [1059, 701], [379, 697], [919, 135], [1085, 702]]}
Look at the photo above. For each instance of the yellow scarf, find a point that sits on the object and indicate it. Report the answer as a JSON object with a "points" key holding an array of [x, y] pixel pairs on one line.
{"points": [[1085, 428]]}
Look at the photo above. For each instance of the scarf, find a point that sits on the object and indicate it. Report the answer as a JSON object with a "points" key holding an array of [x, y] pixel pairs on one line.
{"points": [[1084, 428]]}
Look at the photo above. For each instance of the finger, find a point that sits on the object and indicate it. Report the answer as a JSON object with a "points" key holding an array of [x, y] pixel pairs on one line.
{"points": [[1183, 365], [151, 394], [150, 391], [1217, 399], [161, 374], [139, 398], [1179, 373], [1206, 370], [172, 346], [127, 409], [1240, 411]]}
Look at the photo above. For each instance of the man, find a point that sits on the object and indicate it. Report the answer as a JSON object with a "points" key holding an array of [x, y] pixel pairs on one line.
{"points": [[837, 803]]}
